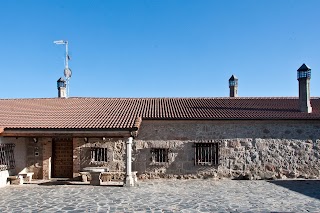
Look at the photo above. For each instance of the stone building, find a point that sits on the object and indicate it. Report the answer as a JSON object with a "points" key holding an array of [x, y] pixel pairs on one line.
{"points": [[230, 137]]}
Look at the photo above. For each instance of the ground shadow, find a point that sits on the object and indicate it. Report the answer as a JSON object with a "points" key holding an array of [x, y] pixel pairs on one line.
{"points": [[310, 188], [61, 182], [71, 182]]}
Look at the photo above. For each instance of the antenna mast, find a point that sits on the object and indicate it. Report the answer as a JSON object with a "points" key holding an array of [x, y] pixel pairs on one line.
{"points": [[67, 71]]}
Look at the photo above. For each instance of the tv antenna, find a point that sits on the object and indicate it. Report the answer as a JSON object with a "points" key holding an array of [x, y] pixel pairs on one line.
{"points": [[67, 71]]}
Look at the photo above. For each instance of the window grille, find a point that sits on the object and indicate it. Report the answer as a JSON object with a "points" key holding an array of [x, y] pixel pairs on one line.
{"points": [[206, 153], [159, 155], [7, 157], [99, 154]]}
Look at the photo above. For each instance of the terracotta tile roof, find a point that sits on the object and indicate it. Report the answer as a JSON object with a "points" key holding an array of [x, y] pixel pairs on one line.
{"points": [[126, 113]]}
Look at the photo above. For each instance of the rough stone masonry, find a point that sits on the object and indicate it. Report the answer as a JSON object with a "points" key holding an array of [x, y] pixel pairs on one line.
{"points": [[247, 149]]}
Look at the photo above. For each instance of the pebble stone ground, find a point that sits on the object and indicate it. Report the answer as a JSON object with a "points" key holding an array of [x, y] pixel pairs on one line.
{"points": [[166, 196]]}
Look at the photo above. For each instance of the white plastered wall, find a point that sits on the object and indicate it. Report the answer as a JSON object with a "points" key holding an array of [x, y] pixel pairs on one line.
{"points": [[20, 155]]}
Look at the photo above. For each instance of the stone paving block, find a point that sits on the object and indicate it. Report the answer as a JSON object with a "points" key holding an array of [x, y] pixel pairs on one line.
{"points": [[166, 196]]}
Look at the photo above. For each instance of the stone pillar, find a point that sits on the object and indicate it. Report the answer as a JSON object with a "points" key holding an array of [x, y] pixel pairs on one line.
{"points": [[46, 156], [129, 179]]}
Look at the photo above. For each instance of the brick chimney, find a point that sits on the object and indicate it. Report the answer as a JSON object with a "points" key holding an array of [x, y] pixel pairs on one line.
{"points": [[61, 85], [304, 76], [233, 85]]}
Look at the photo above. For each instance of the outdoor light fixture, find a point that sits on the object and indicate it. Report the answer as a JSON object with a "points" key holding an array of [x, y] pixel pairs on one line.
{"points": [[35, 140], [85, 139], [103, 138]]}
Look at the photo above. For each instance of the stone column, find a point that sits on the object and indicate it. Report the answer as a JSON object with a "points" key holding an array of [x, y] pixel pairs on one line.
{"points": [[129, 179]]}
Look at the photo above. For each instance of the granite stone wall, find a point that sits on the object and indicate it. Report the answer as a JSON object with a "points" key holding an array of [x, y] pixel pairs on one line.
{"points": [[115, 153], [247, 149]]}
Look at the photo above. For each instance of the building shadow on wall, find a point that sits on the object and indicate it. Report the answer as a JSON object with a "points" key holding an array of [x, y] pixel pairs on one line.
{"points": [[310, 188]]}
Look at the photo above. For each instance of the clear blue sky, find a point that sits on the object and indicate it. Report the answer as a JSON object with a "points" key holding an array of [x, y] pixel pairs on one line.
{"points": [[159, 48]]}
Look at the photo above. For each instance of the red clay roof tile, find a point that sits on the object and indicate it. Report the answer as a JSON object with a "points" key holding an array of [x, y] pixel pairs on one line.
{"points": [[121, 113]]}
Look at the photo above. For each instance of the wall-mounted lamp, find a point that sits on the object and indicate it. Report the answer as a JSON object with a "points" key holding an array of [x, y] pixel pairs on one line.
{"points": [[103, 138], [85, 139], [35, 140]]}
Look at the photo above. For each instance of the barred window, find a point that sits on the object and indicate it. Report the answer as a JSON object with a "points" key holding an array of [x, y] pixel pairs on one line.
{"points": [[7, 157], [99, 154], [206, 153], [159, 155]]}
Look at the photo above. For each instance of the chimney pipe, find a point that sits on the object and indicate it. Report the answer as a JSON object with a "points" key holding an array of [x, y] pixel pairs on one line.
{"points": [[233, 85], [304, 76], [61, 85]]}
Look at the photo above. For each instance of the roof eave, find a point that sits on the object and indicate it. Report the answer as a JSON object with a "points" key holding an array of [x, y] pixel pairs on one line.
{"points": [[24, 132]]}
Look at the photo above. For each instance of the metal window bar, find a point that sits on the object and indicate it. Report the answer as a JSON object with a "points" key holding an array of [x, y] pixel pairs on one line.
{"points": [[99, 154], [7, 160], [3, 165], [11, 158], [103, 154], [160, 155], [216, 150], [206, 153], [92, 154]]}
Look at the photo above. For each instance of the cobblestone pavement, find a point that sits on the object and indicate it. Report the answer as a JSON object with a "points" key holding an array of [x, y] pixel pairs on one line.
{"points": [[166, 196]]}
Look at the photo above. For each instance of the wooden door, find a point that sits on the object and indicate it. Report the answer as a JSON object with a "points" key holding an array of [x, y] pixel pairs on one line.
{"points": [[62, 158]]}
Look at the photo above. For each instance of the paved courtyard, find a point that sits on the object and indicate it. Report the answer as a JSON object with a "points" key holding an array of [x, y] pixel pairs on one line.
{"points": [[166, 196]]}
